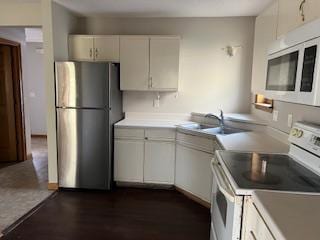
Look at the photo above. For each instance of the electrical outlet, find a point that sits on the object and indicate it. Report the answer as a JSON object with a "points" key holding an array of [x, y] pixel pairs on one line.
{"points": [[290, 120], [275, 115]]}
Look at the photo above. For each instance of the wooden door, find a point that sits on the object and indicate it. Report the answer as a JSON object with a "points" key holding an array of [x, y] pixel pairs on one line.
{"points": [[134, 62], [106, 48], [8, 143], [159, 162], [164, 63], [81, 48]]}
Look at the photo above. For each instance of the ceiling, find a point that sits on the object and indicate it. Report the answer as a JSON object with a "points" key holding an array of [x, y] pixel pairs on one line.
{"points": [[166, 8]]}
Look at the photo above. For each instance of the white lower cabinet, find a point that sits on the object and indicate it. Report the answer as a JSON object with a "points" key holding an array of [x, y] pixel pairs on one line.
{"points": [[254, 227], [144, 155], [193, 172], [159, 162], [128, 163]]}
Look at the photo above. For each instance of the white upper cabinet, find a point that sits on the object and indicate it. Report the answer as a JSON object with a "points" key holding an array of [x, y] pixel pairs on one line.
{"points": [[149, 63], [81, 48], [134, 61], [164, 63], [312, 10], [94, 48], [106, 48], [291, 14]]}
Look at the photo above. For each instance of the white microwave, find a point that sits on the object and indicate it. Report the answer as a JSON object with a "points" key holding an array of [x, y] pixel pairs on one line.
{"points": [[293, 71], [293, 74]]}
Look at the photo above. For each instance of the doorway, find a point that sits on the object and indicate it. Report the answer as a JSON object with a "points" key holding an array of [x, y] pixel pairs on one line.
{"points": [[23, 157], [12, 132]]}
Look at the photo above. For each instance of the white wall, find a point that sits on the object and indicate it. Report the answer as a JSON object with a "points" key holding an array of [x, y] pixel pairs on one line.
{"points": [[209, 79], [57, 22], [35, 89]]}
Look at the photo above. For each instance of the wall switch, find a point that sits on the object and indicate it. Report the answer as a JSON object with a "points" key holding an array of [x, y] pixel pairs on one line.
{"points": [[290, 120], [275, 115]]}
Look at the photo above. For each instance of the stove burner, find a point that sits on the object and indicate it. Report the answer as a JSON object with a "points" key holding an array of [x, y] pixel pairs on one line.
{"points": [[263, 178]]}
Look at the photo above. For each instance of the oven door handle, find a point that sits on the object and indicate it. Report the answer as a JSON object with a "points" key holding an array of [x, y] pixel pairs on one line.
{"points": [[221, 182]]}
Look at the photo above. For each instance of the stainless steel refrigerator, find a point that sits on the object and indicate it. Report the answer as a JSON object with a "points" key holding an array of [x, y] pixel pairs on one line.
{"points": [[88, 103]]}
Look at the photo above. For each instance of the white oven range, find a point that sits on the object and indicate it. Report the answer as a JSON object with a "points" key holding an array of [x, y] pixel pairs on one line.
{"points": [[238, 174]]}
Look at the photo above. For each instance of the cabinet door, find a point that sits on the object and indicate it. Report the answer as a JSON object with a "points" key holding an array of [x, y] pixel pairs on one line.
{"points": [[106, 48], [159, 162], [134, 61], [193, 172], [164, 63], [289, 16], [81, 48], [128, 160], [311, 10]]}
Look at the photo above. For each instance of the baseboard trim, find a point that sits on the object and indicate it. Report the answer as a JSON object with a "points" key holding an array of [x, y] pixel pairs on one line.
{"points": [[193, 197], [144, 185], [53, 186], [29, 156]]}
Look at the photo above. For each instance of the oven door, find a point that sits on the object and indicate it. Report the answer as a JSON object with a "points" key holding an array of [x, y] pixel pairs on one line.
{"points": [[226, 207]]}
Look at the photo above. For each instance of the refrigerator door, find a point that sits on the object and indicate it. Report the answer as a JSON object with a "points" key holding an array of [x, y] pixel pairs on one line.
{"points": [[83, 148], [82, 84]]}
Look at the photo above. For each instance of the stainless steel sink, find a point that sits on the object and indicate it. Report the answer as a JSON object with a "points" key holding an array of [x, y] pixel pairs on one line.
{"points": [[197, 126], [210, 129], [223, 131]]}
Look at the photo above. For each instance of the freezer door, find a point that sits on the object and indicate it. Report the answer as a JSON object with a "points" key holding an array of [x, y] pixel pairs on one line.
{"points": [[83, 148], [82, 84]]}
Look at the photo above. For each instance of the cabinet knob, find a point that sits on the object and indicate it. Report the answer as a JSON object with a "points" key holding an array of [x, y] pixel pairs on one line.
{"points": [[96, 52], [90, 52]]}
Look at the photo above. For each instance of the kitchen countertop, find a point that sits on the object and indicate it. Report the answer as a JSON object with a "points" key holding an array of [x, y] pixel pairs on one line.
{"points": [[150, 123], [243, 141], [290, 216], [252, 142]]}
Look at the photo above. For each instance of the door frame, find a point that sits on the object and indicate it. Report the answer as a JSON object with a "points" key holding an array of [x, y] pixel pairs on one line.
{"points": [[18, 98]]}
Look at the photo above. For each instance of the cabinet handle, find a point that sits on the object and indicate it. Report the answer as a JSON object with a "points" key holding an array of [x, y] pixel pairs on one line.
{"points": [[301, 9], [90, 53], [96, 52]]}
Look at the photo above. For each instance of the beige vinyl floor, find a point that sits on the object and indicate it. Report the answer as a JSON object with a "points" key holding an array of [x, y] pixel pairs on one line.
{"points": [[23, 185]]}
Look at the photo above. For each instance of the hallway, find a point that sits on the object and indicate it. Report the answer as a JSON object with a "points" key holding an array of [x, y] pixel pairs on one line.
{"points": [[23, 185]]}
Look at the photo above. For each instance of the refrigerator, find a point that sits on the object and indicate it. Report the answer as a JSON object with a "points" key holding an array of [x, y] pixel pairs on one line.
{"points": [[88, 104]]}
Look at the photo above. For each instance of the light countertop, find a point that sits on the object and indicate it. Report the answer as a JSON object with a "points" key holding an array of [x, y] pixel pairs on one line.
{"points": [[150, 123], [290, 216], [252, 142], [244, 141]]}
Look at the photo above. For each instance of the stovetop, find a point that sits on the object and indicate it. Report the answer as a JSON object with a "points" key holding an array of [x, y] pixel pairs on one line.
{"points": [[277, 172]]}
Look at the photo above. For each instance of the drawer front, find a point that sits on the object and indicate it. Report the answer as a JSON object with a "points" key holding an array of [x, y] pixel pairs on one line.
{"points": [[130, 133], [256, 228], [200, 143], [160, 134]]}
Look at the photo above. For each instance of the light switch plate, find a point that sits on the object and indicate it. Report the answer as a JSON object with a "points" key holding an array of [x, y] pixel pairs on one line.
{"points": [[275, 115], [156, 103], [290, 119]]}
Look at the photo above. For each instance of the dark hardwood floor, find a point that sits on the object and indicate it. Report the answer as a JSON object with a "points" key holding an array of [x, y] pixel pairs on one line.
{"points": [[125, 213]]}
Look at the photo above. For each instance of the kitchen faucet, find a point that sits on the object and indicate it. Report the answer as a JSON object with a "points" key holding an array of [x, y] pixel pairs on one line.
{"points": [[220, 119]]}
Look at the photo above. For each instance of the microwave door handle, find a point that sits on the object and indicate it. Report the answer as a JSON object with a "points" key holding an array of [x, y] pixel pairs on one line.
{"points": [[222, 185]]}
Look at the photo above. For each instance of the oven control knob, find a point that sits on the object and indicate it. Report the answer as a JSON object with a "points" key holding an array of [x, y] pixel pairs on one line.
{"points": [[299, 134], [294, 132]]}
